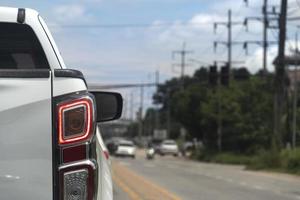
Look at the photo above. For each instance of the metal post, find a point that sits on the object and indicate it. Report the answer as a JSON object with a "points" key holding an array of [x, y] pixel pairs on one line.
{"points": [[295, 108], [229, 40], [265, 36], [280, 93], [141, 114], [131, 106], [156, 110], [219, 129], [168, 113]]}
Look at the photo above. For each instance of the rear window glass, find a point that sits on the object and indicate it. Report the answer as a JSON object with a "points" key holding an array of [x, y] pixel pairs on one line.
{"points": [[20, 48]]}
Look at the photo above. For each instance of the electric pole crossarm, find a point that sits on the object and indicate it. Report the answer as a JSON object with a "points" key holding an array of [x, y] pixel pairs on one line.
{"points": [[237, 23], [247, 19], [237, 42], [293, 18], [259, 42], [221, 42], [229, 43], [233, 62], [183, 56], [268, 16]]}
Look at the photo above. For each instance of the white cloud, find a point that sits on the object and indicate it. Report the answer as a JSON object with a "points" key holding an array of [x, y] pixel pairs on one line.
{"points": [[68, 12], [254, 62], [72, 13]]}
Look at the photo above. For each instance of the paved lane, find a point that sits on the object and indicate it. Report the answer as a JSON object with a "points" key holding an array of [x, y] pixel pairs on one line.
{"points": [[194, 180]]}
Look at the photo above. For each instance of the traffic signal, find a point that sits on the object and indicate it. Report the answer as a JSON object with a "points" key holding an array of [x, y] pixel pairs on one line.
{"points": [[213, 75], [225, 75]]}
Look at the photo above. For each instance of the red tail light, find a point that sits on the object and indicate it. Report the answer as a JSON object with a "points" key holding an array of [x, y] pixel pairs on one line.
{"points": [[75, 121], [75, 156], [106, 154]]}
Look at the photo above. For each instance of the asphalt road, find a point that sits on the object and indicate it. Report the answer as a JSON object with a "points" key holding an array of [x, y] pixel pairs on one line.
{"points": [[177, 178]]}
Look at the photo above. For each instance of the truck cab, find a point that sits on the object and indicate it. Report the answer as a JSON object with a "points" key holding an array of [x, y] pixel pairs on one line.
{"points": [[50, 146]]}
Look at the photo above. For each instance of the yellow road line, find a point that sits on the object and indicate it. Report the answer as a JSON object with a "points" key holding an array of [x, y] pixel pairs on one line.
{"points": [[132, 195], [158, 188]]}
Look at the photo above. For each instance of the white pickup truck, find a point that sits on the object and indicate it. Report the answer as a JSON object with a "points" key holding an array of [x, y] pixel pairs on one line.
{"points": [[50, 146]]}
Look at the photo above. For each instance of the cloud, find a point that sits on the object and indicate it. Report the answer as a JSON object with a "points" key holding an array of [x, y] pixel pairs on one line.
{"points": [[68, 12], [72, 13]]}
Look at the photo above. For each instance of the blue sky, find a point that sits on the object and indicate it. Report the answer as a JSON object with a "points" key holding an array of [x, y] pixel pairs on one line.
{"points": [[131, 54]]}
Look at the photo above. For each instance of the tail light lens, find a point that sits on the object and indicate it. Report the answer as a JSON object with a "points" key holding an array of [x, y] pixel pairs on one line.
{"points": [[106, 154], [77, 181], [75, 121], [75, 184], [75, 154]]}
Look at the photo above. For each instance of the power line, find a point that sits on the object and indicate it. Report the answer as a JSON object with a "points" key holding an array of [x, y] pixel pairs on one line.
{"points": [[133, 25], [266, 18]]}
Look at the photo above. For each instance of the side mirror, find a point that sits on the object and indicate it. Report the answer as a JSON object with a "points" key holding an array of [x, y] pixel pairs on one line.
{"points": [[109, 105]]}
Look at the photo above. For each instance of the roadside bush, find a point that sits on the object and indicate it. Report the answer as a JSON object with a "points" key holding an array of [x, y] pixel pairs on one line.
{"points": [[285, 161], [230, 158], [291, 160], [202, 155], [222, 158], [265, 160]]}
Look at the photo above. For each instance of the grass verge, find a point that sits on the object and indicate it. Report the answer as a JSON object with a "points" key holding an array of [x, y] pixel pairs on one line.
{"points": [[287, 161]]}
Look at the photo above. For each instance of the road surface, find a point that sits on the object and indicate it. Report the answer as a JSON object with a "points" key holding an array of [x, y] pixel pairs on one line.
{"points": [[177, 178]]}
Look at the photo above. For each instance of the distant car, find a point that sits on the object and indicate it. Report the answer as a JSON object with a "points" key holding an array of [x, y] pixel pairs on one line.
{"points": [[112, 144], [126, 148], [169, 147]]}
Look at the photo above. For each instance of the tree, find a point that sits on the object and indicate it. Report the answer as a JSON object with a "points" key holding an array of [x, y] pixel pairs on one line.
{"points": [[247, 110]]}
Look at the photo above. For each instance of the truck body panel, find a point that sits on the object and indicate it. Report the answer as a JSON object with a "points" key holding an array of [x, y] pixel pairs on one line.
{"points": [[28, 164], [25, 138]]}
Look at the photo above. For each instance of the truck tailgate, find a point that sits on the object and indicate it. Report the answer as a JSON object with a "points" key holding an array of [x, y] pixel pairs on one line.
{"points": [[26, 137]]}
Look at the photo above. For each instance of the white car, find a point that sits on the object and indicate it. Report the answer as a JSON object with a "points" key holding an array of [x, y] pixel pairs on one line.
{"points": [[126, 148], [50, 145], [168, 147]]}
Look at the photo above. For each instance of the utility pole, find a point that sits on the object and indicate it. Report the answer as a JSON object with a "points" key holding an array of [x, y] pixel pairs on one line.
{"points": [[265, 19], [141, 114], [156, 110], [295, 99], [280, 87], [125, 105], [265, 36], [229, 43], [229, 24], [219, 121], [131, 106], [169, 113], [229, 39], [183, 64]]}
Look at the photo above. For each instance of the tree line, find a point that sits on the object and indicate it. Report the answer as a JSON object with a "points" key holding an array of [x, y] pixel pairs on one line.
{"points": [[244, 107]]}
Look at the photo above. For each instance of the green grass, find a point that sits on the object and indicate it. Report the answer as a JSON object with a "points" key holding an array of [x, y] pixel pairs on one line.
{"points": [[287, 161], [222, 158], [284, 161]]}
